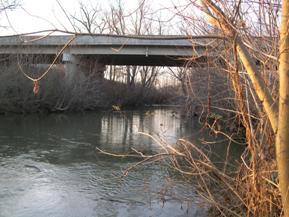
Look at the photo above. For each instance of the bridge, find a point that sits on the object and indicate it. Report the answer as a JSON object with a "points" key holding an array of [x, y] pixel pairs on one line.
{"points": [[96, 51]]}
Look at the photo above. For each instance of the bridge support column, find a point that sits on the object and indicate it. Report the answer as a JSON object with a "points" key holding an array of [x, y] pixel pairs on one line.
{"points": [[72, 69], [76, 65]]}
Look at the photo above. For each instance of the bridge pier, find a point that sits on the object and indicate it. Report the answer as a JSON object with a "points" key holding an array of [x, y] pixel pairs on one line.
{"points": [[81, 67]]}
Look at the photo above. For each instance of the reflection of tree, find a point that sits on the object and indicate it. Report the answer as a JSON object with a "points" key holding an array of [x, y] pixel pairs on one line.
{"points": [[107, 128], [131, 132], [120, 129], [141, 122], [125, 132]]}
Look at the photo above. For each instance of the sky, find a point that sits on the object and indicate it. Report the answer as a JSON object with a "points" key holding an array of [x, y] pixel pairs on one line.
{"points": [[36, 15]]}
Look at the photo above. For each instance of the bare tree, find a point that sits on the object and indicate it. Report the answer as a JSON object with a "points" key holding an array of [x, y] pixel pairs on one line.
{"points": [[181, 74], [8, 5], [91, 19], [116, 19], [148, 76], [282, 137], [256, 64]]}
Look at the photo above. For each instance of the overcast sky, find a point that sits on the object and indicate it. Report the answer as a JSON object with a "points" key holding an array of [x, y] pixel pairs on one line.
{"points": [[35, 15]]}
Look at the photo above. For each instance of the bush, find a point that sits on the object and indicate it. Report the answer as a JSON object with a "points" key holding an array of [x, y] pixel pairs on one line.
{"points": [[58, 93]]}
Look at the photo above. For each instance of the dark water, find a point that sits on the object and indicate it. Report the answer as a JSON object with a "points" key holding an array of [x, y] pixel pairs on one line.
{"points": [[49, 166]]}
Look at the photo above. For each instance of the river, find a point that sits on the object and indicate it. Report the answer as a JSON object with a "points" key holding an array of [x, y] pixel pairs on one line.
{"points": [[49, 165]]}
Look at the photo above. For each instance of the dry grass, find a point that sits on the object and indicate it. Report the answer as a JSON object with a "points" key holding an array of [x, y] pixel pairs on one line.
{"points": [[251, 188], [243, 191]]}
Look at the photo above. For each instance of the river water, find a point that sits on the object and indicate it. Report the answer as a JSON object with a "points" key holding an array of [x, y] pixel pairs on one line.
{"points": [[49, 166]]}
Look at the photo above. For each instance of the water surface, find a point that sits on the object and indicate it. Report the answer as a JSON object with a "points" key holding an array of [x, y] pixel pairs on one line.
{"points": [[49, 165]]}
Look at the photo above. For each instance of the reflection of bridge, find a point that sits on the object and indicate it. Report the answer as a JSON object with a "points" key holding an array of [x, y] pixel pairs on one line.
{"points": [[96, 51]]}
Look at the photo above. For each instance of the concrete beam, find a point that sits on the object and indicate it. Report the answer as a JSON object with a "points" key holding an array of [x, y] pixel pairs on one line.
{"points": [[112, 49]]}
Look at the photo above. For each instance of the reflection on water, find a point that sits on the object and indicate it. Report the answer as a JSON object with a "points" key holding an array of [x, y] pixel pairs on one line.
{"points": [[49, 166], [121, 130]]}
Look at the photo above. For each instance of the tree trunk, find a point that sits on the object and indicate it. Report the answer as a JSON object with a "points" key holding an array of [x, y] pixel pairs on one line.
{"points": [[258, 83], [282, 137], [279, 119], [221, 21]]}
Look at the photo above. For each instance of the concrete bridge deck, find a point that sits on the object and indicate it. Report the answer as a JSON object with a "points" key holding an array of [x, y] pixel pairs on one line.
{"points": [[112, 49]]}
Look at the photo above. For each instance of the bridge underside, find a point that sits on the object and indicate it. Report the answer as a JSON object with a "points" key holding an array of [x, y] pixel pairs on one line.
{"points": [[144, 60], [141, 60]]}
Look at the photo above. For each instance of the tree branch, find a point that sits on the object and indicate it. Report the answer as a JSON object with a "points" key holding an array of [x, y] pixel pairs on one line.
{"points": [[220, 20]]}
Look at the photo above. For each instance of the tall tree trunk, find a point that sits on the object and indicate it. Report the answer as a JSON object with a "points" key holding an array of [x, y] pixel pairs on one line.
{"points": [[279, 119], [221, 21], [282, 137]]}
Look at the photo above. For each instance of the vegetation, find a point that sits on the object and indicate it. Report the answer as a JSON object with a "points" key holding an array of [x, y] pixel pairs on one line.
{"points": [[251, 65], [83, 93], [253, 188]]}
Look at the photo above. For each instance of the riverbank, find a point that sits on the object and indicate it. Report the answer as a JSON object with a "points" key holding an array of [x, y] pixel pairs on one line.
{"points": [[56, 94]]}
